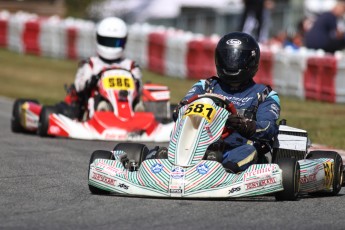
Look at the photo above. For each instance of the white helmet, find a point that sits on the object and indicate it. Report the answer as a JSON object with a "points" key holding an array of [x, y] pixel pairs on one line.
{"points": [[111, 38]]}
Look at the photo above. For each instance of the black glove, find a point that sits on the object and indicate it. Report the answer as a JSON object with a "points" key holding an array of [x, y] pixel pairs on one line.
{"points": [[242, 125], [177, 108], [93, 81]]}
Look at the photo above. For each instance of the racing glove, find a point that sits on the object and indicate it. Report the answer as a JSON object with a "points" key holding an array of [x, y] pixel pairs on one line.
{"points": [[242, 125], [177, 108]]}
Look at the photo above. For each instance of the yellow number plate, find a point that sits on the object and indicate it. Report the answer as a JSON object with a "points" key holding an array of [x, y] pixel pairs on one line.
{"points": [[205, 110], [118, 82]]}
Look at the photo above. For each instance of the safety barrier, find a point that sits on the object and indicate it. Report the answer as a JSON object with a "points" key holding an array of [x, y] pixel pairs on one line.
{"points": [[302, 73], [319, 78], [208, 67], [3, 32], [264, 74], [31, 33], [137, 43], [195, 58], [340, 81], [176, 53], [156, 52], [4, 16]]}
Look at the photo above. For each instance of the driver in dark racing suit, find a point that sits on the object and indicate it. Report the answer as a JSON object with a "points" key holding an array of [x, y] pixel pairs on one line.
{"points": [[237, 58]]}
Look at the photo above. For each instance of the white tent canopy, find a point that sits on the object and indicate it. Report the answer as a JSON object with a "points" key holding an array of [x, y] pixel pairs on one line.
{"points": [[141, 10]]}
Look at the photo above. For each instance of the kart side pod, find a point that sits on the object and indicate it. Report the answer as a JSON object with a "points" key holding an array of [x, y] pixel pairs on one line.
{"points": [[290, 143]]}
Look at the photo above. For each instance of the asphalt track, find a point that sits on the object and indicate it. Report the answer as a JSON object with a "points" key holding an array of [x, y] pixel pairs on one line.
{"points": [[43, 185]]}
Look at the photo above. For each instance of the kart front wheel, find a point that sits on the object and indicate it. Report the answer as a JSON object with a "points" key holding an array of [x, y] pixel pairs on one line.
{"points": [[99, 154], [43, 122], [16, 125], [136, 154], [337, 170], [291, 177]]}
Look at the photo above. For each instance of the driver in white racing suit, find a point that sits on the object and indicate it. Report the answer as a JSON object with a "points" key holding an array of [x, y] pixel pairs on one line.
{"points": [[111, 39]]}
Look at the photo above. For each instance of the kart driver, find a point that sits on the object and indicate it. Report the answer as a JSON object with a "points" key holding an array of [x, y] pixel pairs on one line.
{"points": [[258, 108], [111, 36]]}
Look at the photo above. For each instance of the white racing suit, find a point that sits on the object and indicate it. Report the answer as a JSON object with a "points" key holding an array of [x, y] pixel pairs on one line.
{"points": [[94, 65], [91, 67]]}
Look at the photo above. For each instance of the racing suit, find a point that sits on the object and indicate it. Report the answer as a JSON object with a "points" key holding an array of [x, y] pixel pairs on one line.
{"points": [[254, 101], [88, 70]]}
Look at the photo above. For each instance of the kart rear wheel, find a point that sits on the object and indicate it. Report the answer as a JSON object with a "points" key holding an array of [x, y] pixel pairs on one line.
{"points": [[337, 170], [291, 177], [135, 152], [16, 126], [99, 154], [43, 123]]}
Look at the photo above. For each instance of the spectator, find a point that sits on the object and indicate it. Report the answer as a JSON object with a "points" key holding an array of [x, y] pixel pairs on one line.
{"points": [[325, 33], [256, 18]]}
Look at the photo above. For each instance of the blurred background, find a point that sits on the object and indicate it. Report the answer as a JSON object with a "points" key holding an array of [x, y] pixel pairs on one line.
{"points": [[42, 41], [198, 16]]}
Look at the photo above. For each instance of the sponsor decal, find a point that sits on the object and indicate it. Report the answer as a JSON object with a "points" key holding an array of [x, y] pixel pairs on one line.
{"points": [[124, 186], [54, 129], [100, 166], [328, 167], [156, 168], [262, 171], [114, 136], [104, 179], [240, 101], [202, 169], [208, 130], [233, 42], [177, 173], [162, 95], [260, 183], [175, 190], [236, 189], [307, 179]]}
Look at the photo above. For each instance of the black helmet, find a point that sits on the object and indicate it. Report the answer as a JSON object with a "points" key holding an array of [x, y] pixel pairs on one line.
{"points": [[237, 58]]}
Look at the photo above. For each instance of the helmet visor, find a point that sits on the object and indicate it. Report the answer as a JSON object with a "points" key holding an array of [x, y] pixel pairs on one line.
{"points": [[111, 42], [236, 59]]}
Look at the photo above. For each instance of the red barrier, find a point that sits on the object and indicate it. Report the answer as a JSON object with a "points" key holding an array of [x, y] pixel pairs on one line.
{"points": [[208, 66], [194, 59], [156, 52], [72, 42], [3, 32], [31, 34], [200, 58], [265, 72], [319, 78]]}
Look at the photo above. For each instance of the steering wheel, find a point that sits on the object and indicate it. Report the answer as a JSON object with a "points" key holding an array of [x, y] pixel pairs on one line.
{"points": [[220, 101]]}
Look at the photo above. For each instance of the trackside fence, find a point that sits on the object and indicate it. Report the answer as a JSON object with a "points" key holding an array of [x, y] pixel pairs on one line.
{"points": [[303, 73]]}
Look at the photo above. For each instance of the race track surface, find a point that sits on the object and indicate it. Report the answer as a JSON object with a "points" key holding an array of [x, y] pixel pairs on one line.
{"points": [[43, 185]]}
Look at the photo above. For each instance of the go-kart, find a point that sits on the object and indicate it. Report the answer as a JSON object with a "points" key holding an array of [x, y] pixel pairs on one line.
{"points": [[108, 113], [188, 168]]}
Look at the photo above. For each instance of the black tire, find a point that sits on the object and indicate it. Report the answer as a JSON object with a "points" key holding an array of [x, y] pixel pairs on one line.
{"points": [[337, 170], [43, 123], [291, 177], [99, 154], [16, 126], [135, 151]]}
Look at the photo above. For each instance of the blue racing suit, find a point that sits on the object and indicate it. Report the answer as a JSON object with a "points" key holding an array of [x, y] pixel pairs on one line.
{"points": [[254, 101]]}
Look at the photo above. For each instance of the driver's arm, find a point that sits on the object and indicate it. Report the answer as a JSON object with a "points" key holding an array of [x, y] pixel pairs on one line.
{"points": [[264, 128], [83, 75], [137, 74], [266, 118]]}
